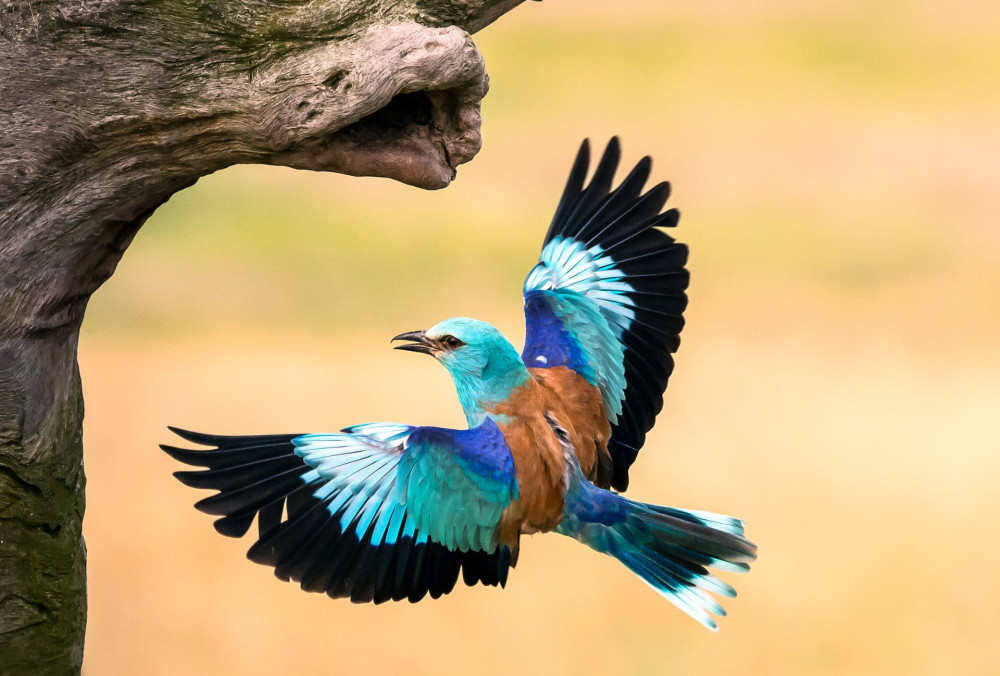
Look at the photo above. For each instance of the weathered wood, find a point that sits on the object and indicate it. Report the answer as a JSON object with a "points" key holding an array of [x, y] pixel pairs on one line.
{"points": [[107, 108]]}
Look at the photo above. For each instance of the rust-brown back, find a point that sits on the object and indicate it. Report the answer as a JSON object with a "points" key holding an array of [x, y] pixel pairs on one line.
{"points": [[538, 458], [579, 408]]}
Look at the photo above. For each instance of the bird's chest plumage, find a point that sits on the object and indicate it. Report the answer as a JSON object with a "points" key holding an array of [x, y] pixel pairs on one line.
{"points": [[539, 464], [538, 460], [537, 453]]}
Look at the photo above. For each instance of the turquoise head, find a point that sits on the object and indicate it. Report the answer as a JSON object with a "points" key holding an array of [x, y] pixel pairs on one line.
{"points": [[483, 364]]}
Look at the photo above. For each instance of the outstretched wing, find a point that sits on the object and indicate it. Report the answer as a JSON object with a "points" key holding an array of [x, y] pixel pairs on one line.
{"points": [[374, 513], [607, 296]]}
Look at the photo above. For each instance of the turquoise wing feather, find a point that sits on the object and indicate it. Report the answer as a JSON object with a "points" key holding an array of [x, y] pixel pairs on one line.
{"points": [[456, 484]]}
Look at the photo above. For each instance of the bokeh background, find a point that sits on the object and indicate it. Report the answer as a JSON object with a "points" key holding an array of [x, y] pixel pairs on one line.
{"points": [[838, 385]]}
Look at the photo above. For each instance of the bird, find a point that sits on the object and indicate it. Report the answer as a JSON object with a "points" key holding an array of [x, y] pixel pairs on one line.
{"points": [[385, 511]]}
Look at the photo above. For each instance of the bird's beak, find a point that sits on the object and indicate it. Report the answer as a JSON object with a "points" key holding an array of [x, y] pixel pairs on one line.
{"points": [[421, 343]]}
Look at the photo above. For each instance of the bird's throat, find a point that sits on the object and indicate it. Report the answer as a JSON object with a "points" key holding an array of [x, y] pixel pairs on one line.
{"points": [[481, 396]]}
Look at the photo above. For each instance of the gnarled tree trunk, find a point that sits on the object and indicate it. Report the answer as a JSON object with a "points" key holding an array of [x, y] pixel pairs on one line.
{"points": [[107, 108]]}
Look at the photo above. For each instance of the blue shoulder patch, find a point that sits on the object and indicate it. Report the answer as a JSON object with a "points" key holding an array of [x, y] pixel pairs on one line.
{"points": [[565, 328], [547, 342]]}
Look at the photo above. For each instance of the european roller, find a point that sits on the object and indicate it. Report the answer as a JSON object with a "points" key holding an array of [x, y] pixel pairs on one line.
{"points": [[385, 511]]}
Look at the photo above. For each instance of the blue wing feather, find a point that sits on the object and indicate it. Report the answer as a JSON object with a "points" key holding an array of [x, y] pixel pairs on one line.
{"points": [[568, 329]]}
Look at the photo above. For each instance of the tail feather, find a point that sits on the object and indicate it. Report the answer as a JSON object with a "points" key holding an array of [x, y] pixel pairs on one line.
{"points": [[670, 549], [690, 599], [697, 534], [698, 575]]}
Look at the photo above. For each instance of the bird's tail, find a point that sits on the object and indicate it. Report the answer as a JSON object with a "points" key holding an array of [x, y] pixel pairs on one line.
{"points": [[670, 549]]}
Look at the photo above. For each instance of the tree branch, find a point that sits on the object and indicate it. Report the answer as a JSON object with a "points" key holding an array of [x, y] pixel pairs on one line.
{"points": [[107, 108]]}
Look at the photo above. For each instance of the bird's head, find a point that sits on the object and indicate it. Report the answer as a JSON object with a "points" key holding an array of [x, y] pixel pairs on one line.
{"points": [[465, 346], [483, 364]]}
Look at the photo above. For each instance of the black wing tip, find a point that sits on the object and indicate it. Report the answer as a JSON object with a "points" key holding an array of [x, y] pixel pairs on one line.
{"points": [[609, 158], [623, 456], [582, 201], [645, 165], [663, 187], [203, 457], [431, 580], [607, 165], [210, 505], [229, 442], [235, 526], [614, 144], [181, 454], [193, 478], [619, 480], [194, 437]]}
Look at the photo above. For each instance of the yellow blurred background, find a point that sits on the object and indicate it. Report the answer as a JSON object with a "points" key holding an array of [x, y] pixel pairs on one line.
{"points": [[838, 383]]}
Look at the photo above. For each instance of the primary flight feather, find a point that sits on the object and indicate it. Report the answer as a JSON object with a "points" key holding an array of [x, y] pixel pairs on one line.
{"points": [[384, 511]]}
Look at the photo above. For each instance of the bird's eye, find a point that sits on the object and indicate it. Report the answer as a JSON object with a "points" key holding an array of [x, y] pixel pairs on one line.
{"points": [[451, 342]]}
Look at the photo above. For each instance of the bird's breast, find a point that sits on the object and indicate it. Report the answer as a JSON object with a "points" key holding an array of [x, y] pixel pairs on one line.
{"points": [[538, 459], [538, 456]]}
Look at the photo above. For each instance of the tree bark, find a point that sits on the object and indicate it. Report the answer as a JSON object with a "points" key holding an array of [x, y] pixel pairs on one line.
{"points": [[107, 108]]}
